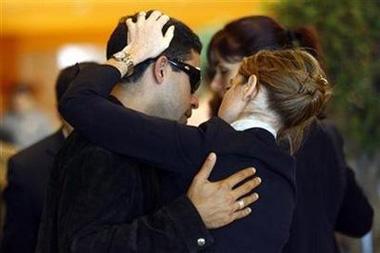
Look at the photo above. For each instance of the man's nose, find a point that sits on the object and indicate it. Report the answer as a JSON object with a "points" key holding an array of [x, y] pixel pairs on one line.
{"points": [[194, 102]]}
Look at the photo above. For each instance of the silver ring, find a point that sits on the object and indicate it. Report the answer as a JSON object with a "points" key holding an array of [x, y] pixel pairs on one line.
{"points": [[241, 204]]}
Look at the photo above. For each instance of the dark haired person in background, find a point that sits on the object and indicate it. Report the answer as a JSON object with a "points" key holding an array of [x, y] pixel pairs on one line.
{"points": [[100, 201], [28, 173], [25, 123], [329, 199]]}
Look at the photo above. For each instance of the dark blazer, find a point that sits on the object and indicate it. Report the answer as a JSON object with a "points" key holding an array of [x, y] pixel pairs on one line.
{"points": [[28, 173], [352, 220], [98, 201], [329, 200], [181, 150]]}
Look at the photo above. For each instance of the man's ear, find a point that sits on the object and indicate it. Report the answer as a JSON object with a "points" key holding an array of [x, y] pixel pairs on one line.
{"points": [[249, 88], [160, 69]]}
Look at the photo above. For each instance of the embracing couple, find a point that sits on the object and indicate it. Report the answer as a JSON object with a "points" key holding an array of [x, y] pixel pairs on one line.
{"points": [[128, 178]]}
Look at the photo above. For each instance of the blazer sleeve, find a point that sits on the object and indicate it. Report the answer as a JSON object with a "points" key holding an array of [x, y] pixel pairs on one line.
{"points": [[173, 228], [162, 143], [355, 217], [21, 226], [93, 224]]}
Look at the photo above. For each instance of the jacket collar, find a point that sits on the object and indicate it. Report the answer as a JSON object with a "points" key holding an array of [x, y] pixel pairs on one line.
{"points": [[250, 122]]}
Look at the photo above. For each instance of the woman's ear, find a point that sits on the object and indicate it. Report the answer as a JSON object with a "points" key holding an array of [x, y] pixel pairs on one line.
{"points": [[250, 88], [159, 69]]}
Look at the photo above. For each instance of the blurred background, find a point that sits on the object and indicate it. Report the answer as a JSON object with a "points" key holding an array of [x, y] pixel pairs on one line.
{"points": [[38, 38]]}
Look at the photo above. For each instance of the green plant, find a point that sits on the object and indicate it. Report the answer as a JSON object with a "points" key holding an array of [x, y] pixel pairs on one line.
{"points": [[350, 35]]}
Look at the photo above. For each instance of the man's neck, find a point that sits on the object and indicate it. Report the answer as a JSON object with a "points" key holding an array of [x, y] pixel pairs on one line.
{"points": [[133, 99]]}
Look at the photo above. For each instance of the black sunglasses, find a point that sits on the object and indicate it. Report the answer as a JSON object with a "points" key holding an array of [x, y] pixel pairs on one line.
{"points": [[193, 73]]}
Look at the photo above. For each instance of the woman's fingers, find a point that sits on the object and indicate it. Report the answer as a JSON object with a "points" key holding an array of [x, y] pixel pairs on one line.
{"points": [[141, 17], [154, 15], [163, 19], [169, 35], [131, 29]]}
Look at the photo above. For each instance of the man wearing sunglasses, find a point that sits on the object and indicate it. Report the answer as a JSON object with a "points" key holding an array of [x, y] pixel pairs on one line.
{"points": [[99, 201], [194, 73], [173, 75]]}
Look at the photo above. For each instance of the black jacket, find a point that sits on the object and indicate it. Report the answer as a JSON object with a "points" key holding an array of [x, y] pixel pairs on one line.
{"points": [[181, 150], [329, 200], [28, 173], [98, 201]]}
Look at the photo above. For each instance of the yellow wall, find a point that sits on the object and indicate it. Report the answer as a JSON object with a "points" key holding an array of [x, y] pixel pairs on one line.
{"points": [[32, 32], [23, 17]]}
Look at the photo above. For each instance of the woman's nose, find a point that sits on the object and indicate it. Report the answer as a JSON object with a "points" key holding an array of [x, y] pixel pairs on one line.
{"points": [[216, 84]]}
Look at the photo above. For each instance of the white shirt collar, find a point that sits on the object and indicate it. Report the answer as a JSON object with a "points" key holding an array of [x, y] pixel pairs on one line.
{"points": [[246, 123]]}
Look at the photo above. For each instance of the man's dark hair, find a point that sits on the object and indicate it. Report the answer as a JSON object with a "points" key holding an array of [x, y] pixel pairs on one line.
{"points": [[180, 47], [67, 75]]}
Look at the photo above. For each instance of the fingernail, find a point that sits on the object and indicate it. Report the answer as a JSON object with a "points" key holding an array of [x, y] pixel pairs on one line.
{"points": [[249, 210], [254, 170], [255, 195], [258, 180]]}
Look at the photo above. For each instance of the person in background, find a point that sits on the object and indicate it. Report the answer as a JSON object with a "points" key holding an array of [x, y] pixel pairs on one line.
{"points": [[25, 123], [7, 151], [27, 176], [329, 199]]}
